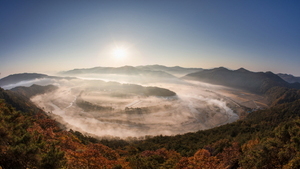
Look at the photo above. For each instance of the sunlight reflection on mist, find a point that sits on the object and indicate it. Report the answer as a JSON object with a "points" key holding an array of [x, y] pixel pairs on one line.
{"points": [[119, 113]]}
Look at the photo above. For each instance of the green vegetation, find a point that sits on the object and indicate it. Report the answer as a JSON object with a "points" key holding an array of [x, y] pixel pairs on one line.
{"points": [[22, 144]]}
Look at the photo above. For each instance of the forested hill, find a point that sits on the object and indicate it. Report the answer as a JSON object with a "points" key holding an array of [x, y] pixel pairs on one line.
{"points": [[258, 82], [22, 79], [15, 78], [264, 139], [33, 90], [19, 101]]}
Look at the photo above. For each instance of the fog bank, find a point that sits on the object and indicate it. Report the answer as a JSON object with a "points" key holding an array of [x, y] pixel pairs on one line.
{"points": [[84, 106]]}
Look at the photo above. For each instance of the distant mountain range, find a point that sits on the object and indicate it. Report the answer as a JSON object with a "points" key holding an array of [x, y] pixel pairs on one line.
{"points": [[40, 89], [176, 70], [289, 78], [125, 70], [258, 82], [153, 71]]}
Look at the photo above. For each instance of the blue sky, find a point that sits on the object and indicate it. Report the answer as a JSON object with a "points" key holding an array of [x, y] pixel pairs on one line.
{"points": [[51, 36]]}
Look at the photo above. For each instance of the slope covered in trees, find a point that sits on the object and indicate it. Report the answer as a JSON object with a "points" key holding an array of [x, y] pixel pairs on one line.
{"points": [[34, 141], [33, 90]]}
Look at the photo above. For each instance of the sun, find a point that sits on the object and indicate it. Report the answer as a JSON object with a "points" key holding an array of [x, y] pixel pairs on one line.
{"points": [[119, 52]]}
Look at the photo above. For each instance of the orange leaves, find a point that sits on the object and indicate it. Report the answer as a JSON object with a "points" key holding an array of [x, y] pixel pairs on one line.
{"points": [[161, 158], [230, 156], [94, 156], [184, 163], [201, 160], [35, 128], [249, 145], [105, 151], [87, 158], [47, 123]]}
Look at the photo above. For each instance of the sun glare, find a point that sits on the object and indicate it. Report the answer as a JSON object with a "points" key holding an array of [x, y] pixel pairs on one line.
{"points": [[119, 53]]}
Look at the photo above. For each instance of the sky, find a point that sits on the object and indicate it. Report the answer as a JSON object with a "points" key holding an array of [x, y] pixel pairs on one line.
{"points": [[52, 36]]}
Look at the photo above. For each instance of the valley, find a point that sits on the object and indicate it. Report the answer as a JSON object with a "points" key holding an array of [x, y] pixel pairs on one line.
{"points": [[115, 112], [141, 120], [141, 101]]}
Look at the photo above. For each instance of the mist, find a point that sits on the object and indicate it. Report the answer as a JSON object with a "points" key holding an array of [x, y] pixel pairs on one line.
{"points": [[136, 79], [27, 83], [92, 106]]}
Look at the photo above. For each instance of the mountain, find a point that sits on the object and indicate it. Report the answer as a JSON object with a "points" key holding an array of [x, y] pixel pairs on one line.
{"points": [[22, 79], [258, 82], [176, 70], [15, 78], [33, 90], [124, 70], [128, 70], [289, 78]]}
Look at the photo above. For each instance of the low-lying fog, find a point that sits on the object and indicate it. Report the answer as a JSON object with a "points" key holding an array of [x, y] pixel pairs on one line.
{"points": [[84, 106]]}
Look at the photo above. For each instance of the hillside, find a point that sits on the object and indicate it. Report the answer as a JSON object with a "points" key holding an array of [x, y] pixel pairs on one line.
{"points": [[35, 141], [19, 101], [33, 90], [257, 82]]}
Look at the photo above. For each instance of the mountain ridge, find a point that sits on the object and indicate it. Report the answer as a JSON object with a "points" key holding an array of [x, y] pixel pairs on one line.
{"points": [[17, 78], [33, 90], [289, 78], [172, 70], [258, 82], [148, 70]]}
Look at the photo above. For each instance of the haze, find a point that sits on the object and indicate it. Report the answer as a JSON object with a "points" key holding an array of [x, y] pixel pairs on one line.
{"points": [[135, 102], [105, 109]]}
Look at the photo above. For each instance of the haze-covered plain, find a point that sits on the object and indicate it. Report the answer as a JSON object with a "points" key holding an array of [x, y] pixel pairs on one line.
{"points": [[123, 109]]}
